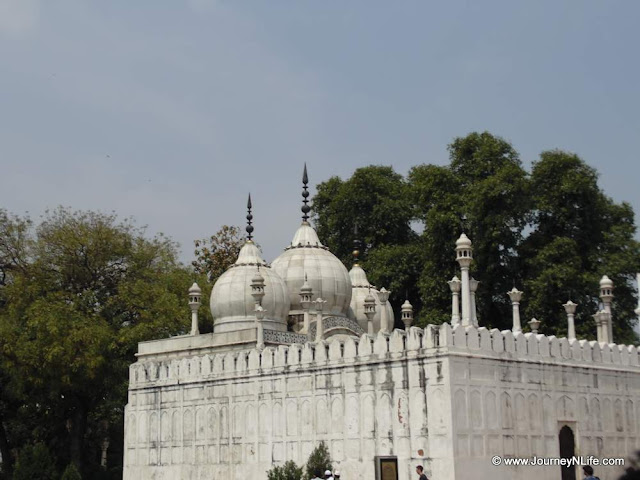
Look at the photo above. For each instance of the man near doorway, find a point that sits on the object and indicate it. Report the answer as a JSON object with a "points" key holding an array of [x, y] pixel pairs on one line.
{"points": [[420, 471], [588, 473]]}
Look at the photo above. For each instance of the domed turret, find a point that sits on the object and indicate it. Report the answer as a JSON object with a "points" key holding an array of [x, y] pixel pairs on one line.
{"points": [[326, 275], [232, 303], [463, 242], [361, 288]]}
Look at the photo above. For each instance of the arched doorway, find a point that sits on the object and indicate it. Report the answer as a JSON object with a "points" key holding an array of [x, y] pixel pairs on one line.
{"points": [[567, 450]]}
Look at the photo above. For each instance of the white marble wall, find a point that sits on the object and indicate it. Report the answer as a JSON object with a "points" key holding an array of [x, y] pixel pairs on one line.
{"points": [[449, 399]]}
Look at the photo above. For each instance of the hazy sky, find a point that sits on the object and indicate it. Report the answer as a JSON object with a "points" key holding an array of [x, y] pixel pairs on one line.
{"points": [[171, 111]]}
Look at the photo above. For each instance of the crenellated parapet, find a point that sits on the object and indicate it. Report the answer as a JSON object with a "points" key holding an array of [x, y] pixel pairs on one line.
{"points": [[536, 347], [428, 342]]}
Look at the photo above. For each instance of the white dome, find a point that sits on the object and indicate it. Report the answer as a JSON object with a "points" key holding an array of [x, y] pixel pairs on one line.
{"points": [[233, 307], [463, 241], [326, 275], [360, 290], [606, 282]]}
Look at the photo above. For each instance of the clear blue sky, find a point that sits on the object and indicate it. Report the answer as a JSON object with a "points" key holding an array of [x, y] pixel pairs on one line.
{"points": [[171, 111]]}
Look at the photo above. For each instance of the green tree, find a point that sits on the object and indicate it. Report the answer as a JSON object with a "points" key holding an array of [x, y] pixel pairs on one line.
{"points": [[396, 267], [90, 287], [552, 233], [14, 244], [578, 234], [319, 461], [71, 473], [494, 191], [435, 192], [376, 200], [288, 471], [35, 462], [484, 192]]}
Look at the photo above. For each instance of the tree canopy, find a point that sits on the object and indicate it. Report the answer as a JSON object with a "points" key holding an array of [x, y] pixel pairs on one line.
{"points": [[551, 232], [215, 254], [578, 234], [375, 199], [79, 292]]}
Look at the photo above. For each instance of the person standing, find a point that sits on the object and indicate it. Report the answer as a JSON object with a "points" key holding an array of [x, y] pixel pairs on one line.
{"points": [[420, 471], [328, 475]]}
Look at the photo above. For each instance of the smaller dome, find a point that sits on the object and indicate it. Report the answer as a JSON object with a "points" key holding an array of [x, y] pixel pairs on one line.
{"points": [[606, 282], [257, 278], [232, 304], [455, 284], [463, 241], [195, 289], [306, 288], [362, 292], [406, 306], [358, 277]]}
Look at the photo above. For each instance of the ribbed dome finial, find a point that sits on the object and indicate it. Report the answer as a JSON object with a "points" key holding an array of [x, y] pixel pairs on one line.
{"points": [[249, 228], [305, 194]]}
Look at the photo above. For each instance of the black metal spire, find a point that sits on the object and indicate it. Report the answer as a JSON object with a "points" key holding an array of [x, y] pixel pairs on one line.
{"points": [[464, 222], [356, 245], [305, 194], [249, 228]]}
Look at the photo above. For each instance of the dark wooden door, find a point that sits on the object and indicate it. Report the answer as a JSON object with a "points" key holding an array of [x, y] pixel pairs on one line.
{"points": [[567, 450], [389, 469]]}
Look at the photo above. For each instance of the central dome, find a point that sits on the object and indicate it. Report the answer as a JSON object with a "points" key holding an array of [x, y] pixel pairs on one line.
{"points": [[327, 276]]}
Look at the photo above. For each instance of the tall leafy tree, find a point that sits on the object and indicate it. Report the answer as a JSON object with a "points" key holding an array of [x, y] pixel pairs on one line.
{"points": [[435, 192], [552, 233], [90, 287], [376, 201], [484, 191], [494, 191], [578, 234], [15, 243]]}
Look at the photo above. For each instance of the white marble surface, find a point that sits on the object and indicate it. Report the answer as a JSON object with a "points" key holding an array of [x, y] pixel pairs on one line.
{"points": [[447, 398]]}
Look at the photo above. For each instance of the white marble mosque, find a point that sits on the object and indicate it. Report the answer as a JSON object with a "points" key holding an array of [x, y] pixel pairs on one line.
{"points": [[304, 351]]}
